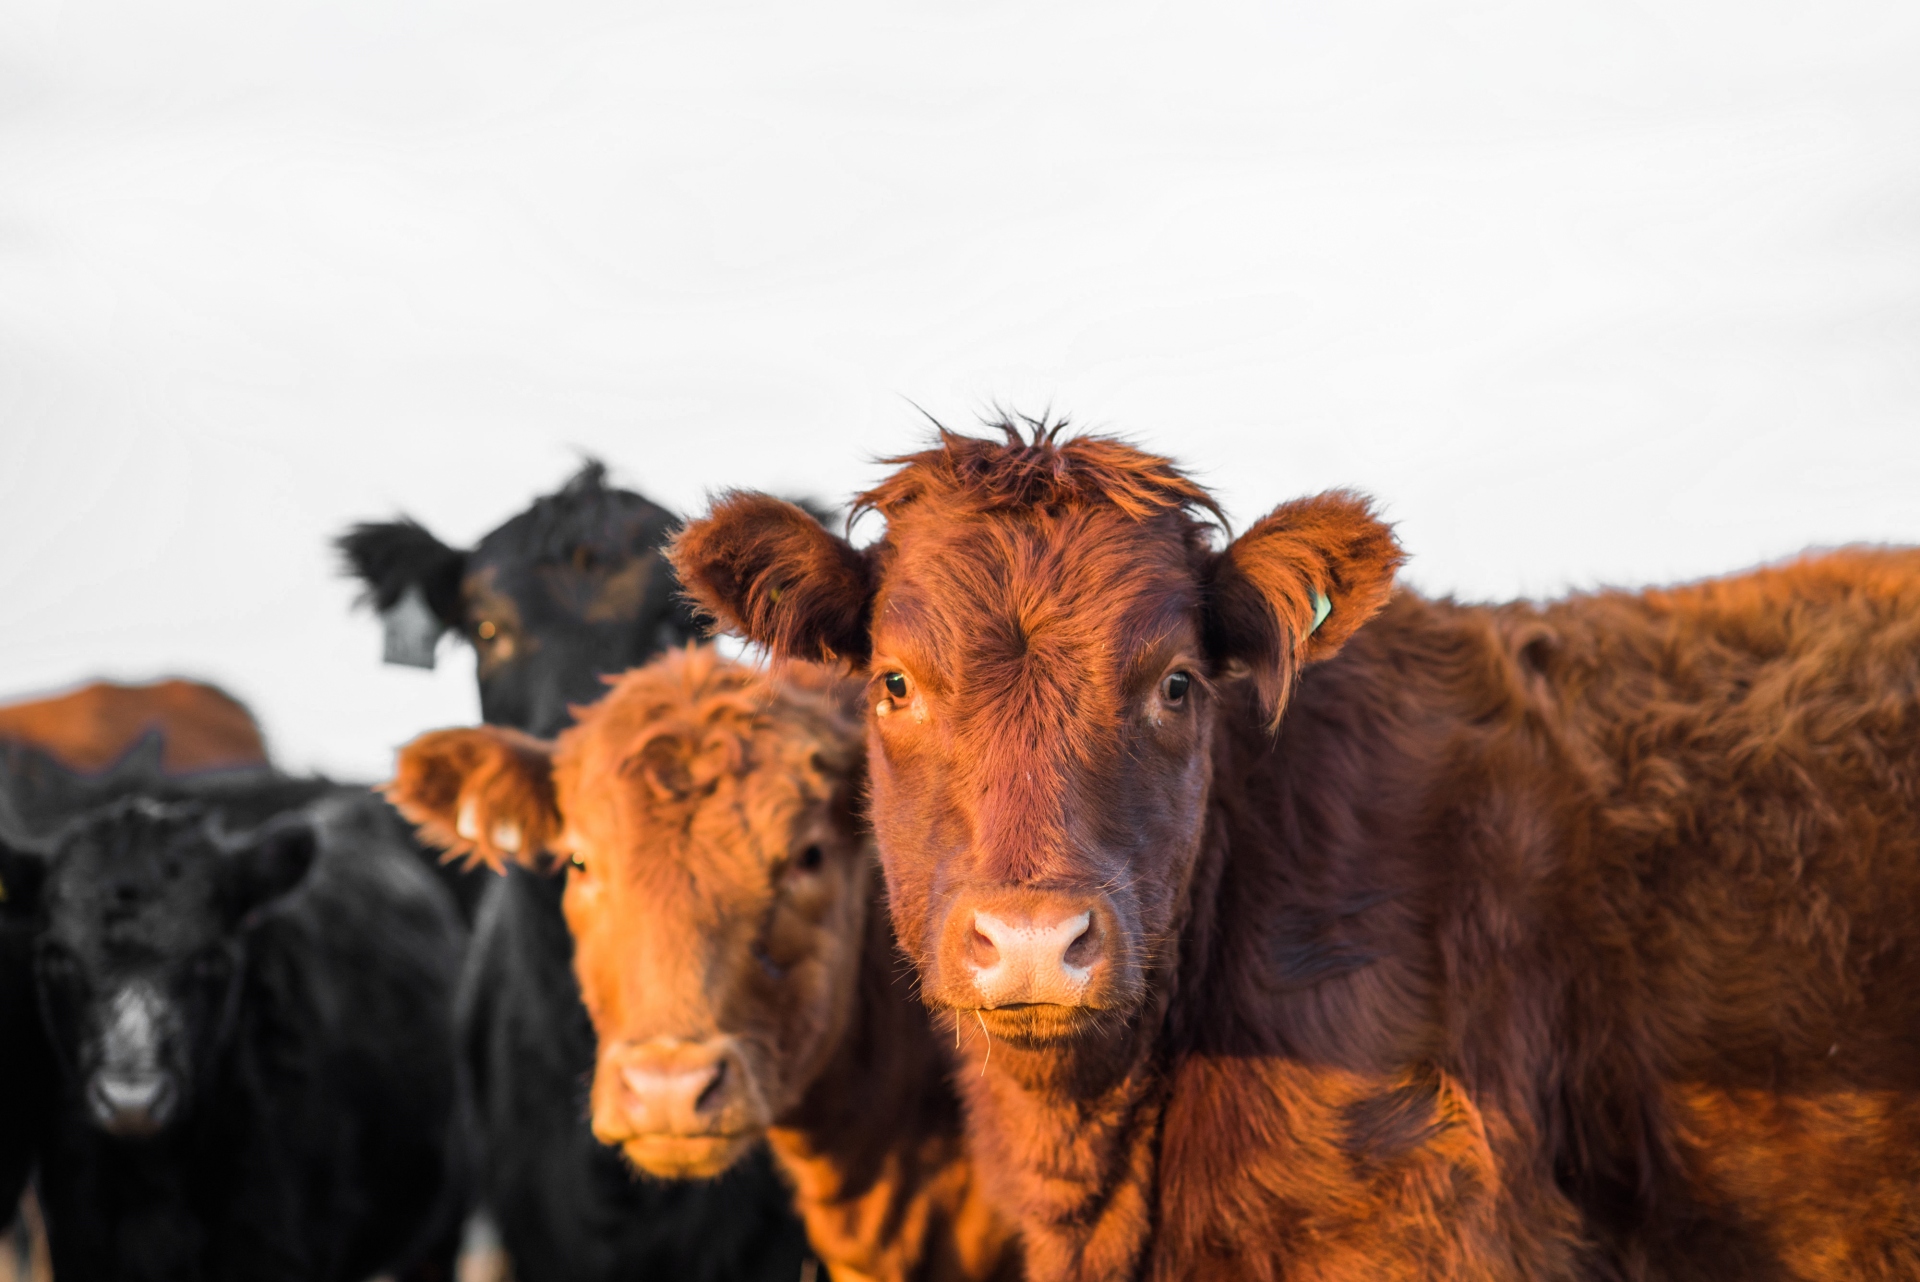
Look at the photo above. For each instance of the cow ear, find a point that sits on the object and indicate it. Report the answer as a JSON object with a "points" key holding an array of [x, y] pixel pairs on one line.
{"points": [[268, 864], [392, 556], [767, 570], [1296, 585], [21, 872], [484, 794]]}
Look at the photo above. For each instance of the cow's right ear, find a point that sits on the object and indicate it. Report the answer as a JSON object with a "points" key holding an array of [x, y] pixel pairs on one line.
{"points": [[767, 570], [392, 556], [484, 794]]}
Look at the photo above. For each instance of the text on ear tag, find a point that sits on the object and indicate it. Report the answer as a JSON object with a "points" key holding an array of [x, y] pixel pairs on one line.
{"points": [[1322, 607], [412, 631]]}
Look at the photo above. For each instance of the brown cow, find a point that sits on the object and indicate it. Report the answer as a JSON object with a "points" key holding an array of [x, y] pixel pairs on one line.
{"points": [[732, 947], [1572, 940], [201, 727]]}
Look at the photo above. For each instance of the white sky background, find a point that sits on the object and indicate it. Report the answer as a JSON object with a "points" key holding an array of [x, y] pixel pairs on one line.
{"points": [[1583, 293]]}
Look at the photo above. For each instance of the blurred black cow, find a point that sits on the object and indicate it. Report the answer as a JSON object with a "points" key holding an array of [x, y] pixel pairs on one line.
{"points": [[571, 589], [247, 1010]]}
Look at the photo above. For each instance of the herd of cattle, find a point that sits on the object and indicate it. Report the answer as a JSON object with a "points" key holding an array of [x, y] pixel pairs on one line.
{"points": [[1068, 892]]}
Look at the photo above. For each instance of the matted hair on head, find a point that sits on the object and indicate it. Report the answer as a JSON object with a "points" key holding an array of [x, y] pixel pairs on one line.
{"points": [[1032, 466]]}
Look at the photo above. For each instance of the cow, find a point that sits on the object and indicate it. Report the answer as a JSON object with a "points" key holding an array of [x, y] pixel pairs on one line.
{"points": [[1326, 930], [249, 1009], [733, 949], [199, 727], [574, 588], [97, 739]]}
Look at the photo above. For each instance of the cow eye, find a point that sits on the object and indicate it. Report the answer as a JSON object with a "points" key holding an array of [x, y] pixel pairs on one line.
{"points": [[211, 965], [896, 683], [58, 967], [487, 630], [810, 859], [1174, 688]]}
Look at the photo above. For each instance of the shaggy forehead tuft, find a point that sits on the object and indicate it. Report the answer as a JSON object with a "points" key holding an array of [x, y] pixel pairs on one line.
{"points": [[686, 724], [1035, 468]]}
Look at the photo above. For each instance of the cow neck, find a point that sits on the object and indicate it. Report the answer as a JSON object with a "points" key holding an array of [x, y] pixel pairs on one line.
{"points": [[874, 1149], [1071, 1155]]}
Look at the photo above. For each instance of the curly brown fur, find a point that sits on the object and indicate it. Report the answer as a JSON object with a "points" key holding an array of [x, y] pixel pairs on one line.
{"points": [[1541, 941]]}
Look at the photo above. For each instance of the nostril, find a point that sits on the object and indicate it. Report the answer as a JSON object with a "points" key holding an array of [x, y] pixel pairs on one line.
{"points": [[1084, 948], [711, 1094], [981, 950]]}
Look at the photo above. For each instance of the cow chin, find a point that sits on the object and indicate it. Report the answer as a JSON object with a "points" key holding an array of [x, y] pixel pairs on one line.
{"points": [[686, 1157]]}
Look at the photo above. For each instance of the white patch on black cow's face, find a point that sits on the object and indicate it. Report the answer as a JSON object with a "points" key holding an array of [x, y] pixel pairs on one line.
{"points": [[131, 1090]]}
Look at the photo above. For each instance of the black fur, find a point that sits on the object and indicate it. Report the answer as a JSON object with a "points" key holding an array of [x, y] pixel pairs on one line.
{"points": [[392, 556], [569, 1209], [294, 984]]}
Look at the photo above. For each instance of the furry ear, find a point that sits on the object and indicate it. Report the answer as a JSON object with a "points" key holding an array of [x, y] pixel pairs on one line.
{"points": [[1296, 585], [767, 570], [21, 872], [268, 864], [392, 556], [484, 794]]}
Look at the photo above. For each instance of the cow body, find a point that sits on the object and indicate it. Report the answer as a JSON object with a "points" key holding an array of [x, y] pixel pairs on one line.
{"points": [[733, 949], [255, 1044], [1323, 933], [563, 594], [199, 726]]}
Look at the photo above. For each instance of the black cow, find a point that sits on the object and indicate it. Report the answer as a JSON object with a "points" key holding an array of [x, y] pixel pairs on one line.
{"points": [[571, 589], [251, 1031]]}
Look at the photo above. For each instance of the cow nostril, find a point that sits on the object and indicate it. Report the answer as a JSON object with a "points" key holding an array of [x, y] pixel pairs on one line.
{"points": [[981, 949], [1084, 948], [711, 1093]]}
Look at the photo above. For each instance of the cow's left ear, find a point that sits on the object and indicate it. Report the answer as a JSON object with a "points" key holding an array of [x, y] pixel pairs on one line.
{"points": [[482, 792], [267, 864], [21, 872], [1295, 586]]}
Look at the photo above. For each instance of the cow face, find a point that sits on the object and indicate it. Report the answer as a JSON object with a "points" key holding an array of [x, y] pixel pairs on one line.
{"points": [[718, 892], [1050, 638], [572, 589], [142, 912]]}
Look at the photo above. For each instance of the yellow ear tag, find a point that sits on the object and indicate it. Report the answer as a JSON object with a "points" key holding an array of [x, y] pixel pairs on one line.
{"points": [[1322, 607]]}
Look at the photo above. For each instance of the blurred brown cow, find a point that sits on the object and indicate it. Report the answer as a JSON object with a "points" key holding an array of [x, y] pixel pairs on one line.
{"points": [[200, 727], [733, 947]]}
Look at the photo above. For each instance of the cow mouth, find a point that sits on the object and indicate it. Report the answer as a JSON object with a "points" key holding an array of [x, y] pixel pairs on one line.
{"points": [[1033, 1024], [682, 1157]]}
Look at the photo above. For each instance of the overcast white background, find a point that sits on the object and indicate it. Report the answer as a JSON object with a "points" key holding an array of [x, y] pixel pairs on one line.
{"points": [[1584, 293]]}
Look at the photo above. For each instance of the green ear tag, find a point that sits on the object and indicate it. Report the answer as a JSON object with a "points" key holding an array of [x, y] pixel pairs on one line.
{"points": [[1322, 607]]}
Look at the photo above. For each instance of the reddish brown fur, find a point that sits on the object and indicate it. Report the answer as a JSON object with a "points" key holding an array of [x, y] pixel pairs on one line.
{"points": [[685, 798], [1558, 941], [201, 728]]}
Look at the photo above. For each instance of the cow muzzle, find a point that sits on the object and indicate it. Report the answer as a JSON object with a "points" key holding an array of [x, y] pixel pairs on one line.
{"points": [[130, 1092], [1019, 949], [677, 1108]]}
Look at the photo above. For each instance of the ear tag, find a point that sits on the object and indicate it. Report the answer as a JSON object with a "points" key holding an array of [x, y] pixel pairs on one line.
{"points": [[1322, 607], [412, 631]]}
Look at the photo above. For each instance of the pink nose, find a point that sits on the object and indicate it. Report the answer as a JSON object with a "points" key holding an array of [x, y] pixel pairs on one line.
{"points": [[1020, 959], [672, 1088]]}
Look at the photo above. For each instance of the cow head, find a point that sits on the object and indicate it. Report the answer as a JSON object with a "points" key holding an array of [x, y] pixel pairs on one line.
{"points": [[142, 912], [719, 889], [1050, 635], [571, 589]]}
